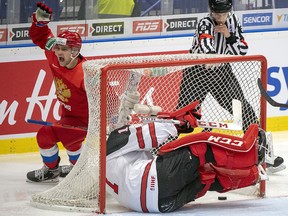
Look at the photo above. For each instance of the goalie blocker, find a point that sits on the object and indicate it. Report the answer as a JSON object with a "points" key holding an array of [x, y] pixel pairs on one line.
{"points": [[185, 169]]}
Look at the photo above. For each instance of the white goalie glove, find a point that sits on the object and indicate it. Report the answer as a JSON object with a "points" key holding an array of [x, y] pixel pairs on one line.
{"points": [[130, 99], [42, 16]]}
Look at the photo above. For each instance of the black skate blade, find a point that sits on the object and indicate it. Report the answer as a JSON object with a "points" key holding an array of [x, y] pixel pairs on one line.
{"points": [[50, 181]]}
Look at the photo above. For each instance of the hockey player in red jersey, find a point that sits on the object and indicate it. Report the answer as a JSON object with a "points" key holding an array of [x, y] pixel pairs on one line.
{"points": [[184, 169], [65, 61]]}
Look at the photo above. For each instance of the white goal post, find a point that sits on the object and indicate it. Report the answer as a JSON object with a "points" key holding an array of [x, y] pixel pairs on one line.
{"points": [[167, 81]]}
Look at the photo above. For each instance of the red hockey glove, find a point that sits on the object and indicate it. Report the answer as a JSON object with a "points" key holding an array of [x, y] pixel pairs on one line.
{"points": [[43, 15], [188, 115], [184, 127]]}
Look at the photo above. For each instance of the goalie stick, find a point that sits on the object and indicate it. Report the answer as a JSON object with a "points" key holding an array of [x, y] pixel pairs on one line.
{"points": [[267, 97], [236, 125], [202, 124], [45, 123]]}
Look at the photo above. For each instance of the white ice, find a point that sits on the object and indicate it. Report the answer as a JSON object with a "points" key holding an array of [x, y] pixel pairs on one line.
{"points": [[15, 192]]}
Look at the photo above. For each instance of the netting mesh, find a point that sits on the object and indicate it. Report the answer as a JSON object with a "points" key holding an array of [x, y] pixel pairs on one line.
{"points": [[164, 83]]}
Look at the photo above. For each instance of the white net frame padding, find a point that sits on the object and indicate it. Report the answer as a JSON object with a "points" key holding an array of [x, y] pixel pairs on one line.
{"points": [[84, 188]]}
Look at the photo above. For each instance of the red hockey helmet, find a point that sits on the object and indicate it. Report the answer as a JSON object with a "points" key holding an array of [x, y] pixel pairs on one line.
{"points": [[71, 39], [220, 6]]}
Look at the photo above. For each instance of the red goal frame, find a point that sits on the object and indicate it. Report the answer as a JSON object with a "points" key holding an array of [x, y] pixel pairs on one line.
{"points": [[103, 97]]}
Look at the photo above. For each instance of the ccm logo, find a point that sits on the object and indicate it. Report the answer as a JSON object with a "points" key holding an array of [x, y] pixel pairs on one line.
{"points": [[147, 26], [212, 124], [80, 29], [225, 140]]}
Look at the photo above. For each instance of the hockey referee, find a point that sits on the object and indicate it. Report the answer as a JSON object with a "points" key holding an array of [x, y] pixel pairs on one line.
{"points": [[220, 32]]}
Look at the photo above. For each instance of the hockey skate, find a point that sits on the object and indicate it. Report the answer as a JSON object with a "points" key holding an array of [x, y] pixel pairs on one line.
{"points": [[277, 166], [65, 170], [44, 175], [273, 163]]}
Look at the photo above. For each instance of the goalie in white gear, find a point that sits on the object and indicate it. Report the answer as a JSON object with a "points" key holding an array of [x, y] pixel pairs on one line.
{"points": [[184, 170]]}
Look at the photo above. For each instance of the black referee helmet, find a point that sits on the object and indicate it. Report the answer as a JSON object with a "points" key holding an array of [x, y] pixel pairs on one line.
{"points": [[220, 6]]}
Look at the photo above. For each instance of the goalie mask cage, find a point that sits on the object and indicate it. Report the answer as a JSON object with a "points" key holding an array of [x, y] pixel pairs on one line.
{"points": [[161, 76]]}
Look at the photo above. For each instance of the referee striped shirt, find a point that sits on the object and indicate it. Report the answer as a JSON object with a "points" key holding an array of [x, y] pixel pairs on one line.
{"points": [[207, 41]]}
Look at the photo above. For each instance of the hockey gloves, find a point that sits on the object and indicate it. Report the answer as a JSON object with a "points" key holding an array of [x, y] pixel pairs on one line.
{"points": [[187, 116], [43, 15]]}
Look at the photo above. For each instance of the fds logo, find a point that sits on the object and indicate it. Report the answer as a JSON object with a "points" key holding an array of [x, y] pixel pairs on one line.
{"points": [[3, 35], [147, 26], [81, 29]]}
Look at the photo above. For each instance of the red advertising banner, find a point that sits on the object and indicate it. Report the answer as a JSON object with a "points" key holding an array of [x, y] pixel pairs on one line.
{"points": [[81, 29], [147, 26], [3, 35], [27, 91]]}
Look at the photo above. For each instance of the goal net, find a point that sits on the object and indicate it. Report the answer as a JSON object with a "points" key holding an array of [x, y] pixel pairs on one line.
{"points": [[169, 81]]}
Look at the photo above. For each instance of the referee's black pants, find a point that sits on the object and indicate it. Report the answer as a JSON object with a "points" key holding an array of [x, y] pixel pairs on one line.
{"points": [[221, 83]]}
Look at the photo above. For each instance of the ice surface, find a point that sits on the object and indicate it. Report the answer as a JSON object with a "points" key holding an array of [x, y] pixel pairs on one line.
{"points": [[15, 192]]}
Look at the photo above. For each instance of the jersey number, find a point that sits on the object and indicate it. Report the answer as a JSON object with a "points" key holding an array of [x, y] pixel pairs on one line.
{"points": [[113, 186]]}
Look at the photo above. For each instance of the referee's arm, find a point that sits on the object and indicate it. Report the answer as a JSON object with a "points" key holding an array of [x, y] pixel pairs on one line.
{"points": [[206, 43], [236, 44]]}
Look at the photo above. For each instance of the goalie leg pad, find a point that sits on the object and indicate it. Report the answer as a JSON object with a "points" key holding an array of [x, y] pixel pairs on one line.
{"points": [[232, 179], [229, 151], [225, 158], [237, 157], [229, 179], [230, 159]]}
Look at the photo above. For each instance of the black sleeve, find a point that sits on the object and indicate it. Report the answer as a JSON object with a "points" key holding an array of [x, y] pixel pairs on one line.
{"points": [[117, 140]]}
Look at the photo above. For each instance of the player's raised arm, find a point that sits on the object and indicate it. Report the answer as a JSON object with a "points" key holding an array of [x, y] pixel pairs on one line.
{"points": [[39, 31]]}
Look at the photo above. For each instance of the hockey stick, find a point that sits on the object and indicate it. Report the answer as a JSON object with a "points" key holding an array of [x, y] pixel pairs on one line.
{"points": [[201, 124], [236, 125], [267, 97], [45, 123]]}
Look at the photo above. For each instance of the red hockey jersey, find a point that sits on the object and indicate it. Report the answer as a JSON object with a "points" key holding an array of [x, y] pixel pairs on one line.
{"points": [[69, 83]]}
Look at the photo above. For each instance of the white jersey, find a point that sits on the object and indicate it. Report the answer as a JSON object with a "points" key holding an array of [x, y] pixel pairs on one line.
{"points": [[131, 176]]}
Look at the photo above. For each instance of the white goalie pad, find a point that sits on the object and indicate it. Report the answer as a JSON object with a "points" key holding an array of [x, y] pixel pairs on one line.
{"points": [[262, 173], [237, 112], [269, 151]]}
